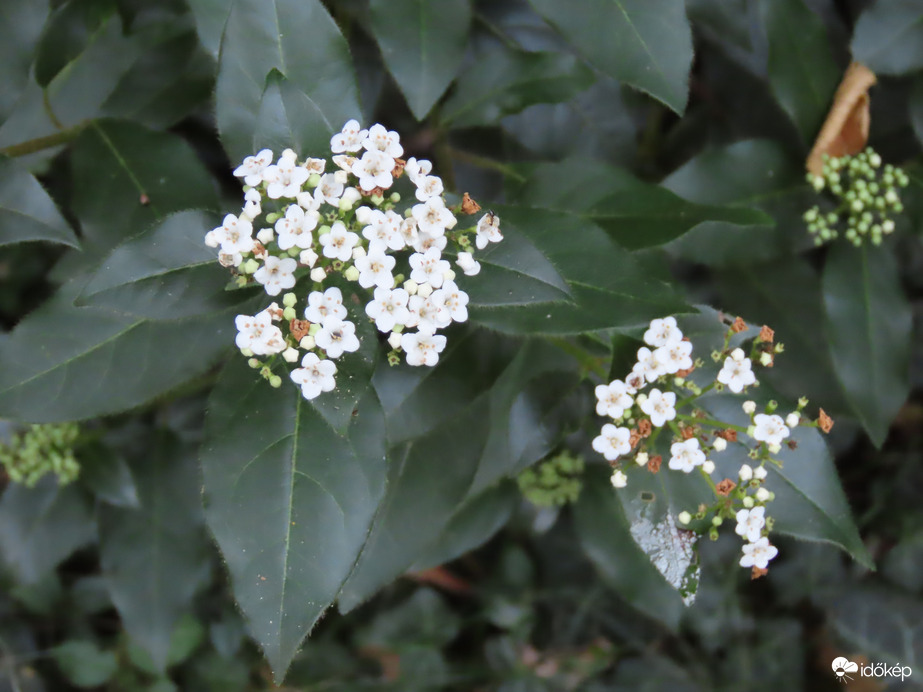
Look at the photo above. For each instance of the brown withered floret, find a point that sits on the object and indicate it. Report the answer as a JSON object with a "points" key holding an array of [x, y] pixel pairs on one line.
{"points": [[687, 433], [685, 373], [824, 422], [645, 427], [274, 312], [374, 192], [299, 328], [758, 572], [729, 434], [653, 464], [738, 326], [792, 444], [766, 334], [725, 487], [634, 438], [258, 249], [398, 169], [469, 206]]}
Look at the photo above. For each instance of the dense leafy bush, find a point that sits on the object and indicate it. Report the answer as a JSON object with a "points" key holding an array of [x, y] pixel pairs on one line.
{"points": [[441, 513]]}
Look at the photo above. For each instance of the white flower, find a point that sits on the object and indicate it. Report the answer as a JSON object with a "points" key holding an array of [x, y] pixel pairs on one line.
{"points": [[229, 259], [251, 170], [468, 264], [745, 473], [663, 332], [285, 178], [455, 301], [339, 243], [792, 420], [416, 170], [613, 399], [409, 231], [488, 230], [325, 306], [686, 455], [388, 308], [750, 523], [350, 138], [307, 257], [380, 139], [295, 228], [432, 217], [258, 334], [649, 364], [383, 227], [771, 429], [428, 313], [425, 241], [634, 381], [252, 207], [329, 190], [619, 479], [276, 274], [428, 267], [428, 186], [758, 554], [422, 349], [612, 442], [375, 267], [660, 407], [736, 374], [675, 356], [720, 444], [374, 170], [314, 376], [234, 235], [336, 336]]}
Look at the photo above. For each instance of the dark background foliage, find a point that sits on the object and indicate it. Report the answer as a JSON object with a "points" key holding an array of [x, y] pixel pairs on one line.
{"points": [[645, 156]]}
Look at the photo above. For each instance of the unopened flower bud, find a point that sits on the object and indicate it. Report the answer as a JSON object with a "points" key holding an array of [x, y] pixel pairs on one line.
{"points": [[265, 236], [708, 466], [765, 359], [759, 473], [410, 286], [449, 275], [749, 407], [394, 340], [289, 314], [748, 502], [775, 448], [307, 342], [345, 205], [717, 521], [395, 197], [275, 381], [313, 180], [318, 274], [246, 352], [424, 290], [720, 444], [684, 517], [351, 274], [308, 257], [738, 354], [762, 495], [313, 329], [642, 458], [289, 300], [250, 266], [254, 363], [323, 230], [290, 355], [745, 473], [792, 420], [619, 479]]}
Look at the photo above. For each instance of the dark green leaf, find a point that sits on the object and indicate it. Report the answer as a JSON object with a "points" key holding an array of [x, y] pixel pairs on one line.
{"points": [[724, 20], [504, 82], [471, 525], [916, 108], [786, 295], [422, 44], [41, 526], [27, 213], [604, 532], [608, 286], [300, 40], [802, 72], [870, 325], [166, 273], [66, 363], [126, 177], [889, 37], [107, 475], [424, 619], [210, 18], [18, 47], [84, 664], [636, 214], [143, 551], [644, 43], [756, 174], [289, 500], [67, 33], [77, 93]]}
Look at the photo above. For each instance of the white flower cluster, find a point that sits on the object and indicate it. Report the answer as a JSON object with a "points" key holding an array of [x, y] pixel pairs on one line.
{"points": [[656, 395], [319, 223]]}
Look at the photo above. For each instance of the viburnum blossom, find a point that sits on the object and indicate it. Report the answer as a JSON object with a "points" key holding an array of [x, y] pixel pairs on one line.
{"points": [[686, 455], [488, 230], [663, 332], [758, 553], [769, 429], [750, 523], [307, 222], [612, 442], [613, 399], [660, 407], [737, 373]]}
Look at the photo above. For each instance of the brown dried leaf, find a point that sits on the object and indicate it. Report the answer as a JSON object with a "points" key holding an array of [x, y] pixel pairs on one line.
{"points": [[846, 129]]}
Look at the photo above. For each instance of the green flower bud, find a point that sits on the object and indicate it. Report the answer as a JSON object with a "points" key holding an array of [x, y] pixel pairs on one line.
{"points": [[289, 314], [289, 300], [351, 274], [275, 381]]}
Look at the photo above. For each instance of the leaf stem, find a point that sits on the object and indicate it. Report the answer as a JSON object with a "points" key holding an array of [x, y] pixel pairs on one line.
{"points": [[711, 422], [32, 146]]}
